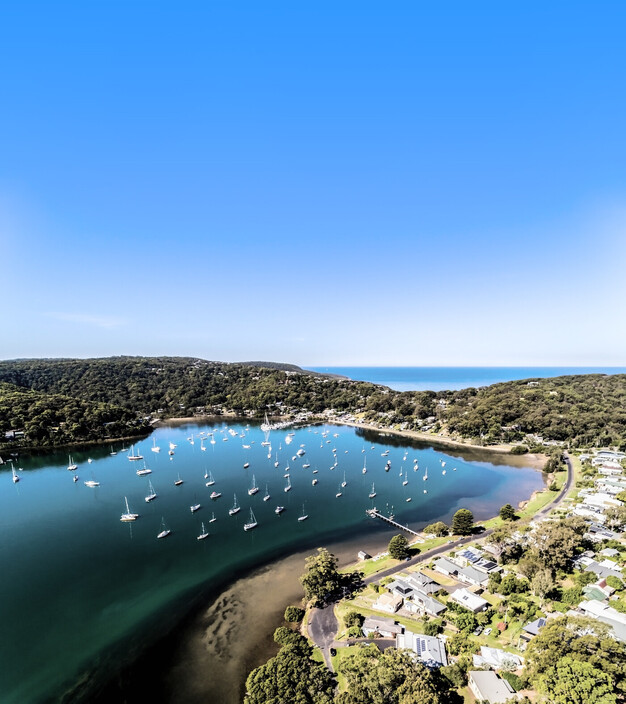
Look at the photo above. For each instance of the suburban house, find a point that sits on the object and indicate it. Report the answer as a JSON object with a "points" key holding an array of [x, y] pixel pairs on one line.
{"points": [[385, 627], [486, 686], [445, 566], [472, 575], [388, 602], [423, 603], [429, 649], [530, 630], [496, 659], [470, 601], [605, 614]]}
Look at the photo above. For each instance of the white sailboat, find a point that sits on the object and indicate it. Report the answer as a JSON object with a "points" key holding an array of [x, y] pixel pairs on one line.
{"points": [[71, 465], [155, 447], [203, 534], [164, 529], [339, 492], [151, 493], [15, 475], [92, 482], [267, 494], [303, 516], [210, 479], [406, 481], [132, 456], [236, 508], [215, 494], [373, 491], [344, 483], [288, 487], [314, 482], [252, 523], [254, 488], [113, 452], [128, 515], [246, 465], [144, 471], [202, 447], [195, 507], [178, 481], [364, 470], [212, 519], [278, 510], [425, 477]]}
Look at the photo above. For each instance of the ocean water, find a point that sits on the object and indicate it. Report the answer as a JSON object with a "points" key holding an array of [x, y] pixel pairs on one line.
{"points": [[83, 592], [454, 378]]}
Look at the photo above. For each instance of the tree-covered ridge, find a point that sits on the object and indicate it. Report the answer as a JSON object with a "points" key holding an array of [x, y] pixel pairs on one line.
{"points": [[588, 409], [585, 410], [56, 419]]}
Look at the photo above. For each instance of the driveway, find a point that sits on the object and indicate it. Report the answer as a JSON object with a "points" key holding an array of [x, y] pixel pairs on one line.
{"points": [[323, 629]]}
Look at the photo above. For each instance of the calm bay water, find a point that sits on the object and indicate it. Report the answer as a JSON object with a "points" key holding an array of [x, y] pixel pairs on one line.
{"points": [[82, 591], [454, 378]]}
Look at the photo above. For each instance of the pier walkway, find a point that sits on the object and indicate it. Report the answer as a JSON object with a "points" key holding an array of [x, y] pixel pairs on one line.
{"points": [[374, 513]]}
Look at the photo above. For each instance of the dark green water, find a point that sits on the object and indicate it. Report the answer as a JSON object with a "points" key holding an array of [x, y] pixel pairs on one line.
{"points": [[82, 591]]}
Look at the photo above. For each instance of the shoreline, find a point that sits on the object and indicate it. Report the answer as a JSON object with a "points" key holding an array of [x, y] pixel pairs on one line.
{"points": [[535, 461]]}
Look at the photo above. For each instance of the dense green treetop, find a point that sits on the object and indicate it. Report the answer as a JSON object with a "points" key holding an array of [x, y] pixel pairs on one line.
{"points": [[392, 677], [462, 522], [549, 660], [399, 547]]}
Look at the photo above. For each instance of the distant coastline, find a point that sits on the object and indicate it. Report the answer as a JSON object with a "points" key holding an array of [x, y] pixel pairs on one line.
{"points": [[453, 378]]}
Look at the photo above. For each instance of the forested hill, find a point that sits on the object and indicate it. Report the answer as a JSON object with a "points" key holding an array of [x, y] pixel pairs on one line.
{"points": [[587, 410]]}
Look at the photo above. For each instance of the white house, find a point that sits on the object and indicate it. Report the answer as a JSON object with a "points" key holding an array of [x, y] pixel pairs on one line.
{"points": [[470, 601], [386, 627], [488, 687], [497, 659]]}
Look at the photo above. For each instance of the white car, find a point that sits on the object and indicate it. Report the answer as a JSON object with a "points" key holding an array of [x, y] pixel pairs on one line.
{"points": [[488, 631]]}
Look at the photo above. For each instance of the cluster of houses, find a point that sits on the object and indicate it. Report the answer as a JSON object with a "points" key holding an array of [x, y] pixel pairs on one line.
{"points": [[486, 685], [416, 594], [610, 481], [468, 574]]}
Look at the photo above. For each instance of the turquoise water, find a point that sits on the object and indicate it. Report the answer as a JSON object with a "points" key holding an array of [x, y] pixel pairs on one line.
{"points": [[454, 378], [77, 582]]}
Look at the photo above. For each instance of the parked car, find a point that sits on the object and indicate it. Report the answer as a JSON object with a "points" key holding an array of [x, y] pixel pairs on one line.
{"points": [[478, 631], [488, 631]]}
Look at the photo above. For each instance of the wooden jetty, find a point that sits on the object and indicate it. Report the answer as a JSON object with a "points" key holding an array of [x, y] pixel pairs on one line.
{"points": [[374, 513]]}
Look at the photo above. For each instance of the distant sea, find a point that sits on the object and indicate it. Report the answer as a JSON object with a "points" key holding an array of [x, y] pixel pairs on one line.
{"points": [[453, 378]]}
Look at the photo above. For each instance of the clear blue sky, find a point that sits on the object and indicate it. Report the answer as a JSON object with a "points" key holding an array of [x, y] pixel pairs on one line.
{"points": [[322, 183]]}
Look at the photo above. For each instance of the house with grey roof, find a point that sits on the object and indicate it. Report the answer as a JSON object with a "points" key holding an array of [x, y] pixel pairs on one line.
{"points": [[486, 686], [470, 575], [385, 627], [423, 603], [429, 649], [605, 614], [445, 566], [423, 582], [533, 627]]}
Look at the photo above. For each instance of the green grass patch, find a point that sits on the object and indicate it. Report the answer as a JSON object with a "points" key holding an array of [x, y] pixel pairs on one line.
{"points": [[342, 654]]}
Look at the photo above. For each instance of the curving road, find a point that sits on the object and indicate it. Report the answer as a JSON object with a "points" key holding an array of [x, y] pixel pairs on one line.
{"points": [[323, 623]]}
